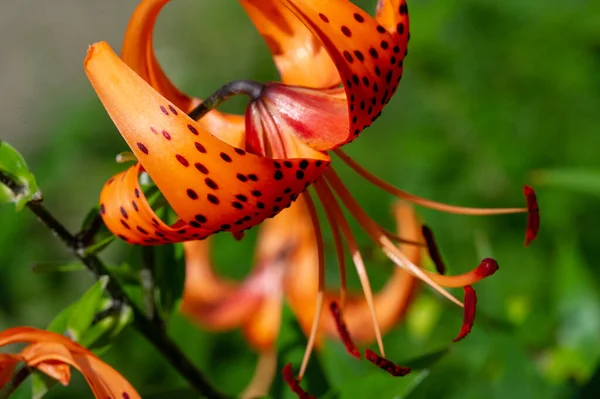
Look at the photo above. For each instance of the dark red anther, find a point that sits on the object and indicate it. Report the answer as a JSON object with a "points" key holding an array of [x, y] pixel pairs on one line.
{"points": [[486, 268], [432, 248], [292, 382], [469, 312], [533, 215], [336, 312], [385, 364]]}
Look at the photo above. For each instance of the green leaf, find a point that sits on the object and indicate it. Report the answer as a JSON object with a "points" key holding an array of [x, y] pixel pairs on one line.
{"points": [[56, 267], [100, 335], [379, 384], [179, 393], [291, 344], [85, 309], [41, 384], [584, 181], [17, 183], [169, 276]]}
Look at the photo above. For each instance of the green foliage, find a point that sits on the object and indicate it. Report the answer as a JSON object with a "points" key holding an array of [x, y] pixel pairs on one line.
{"points": [[17, 183], [495, 95]]}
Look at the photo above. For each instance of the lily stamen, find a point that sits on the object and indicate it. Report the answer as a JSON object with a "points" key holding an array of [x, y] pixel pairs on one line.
{"points": [[427, 203], [469, 313], [328, 200], [433, 250], [342, 329], [374, 231], [320, 297]]}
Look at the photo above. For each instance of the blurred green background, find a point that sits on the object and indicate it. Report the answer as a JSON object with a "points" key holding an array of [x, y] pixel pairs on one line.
{"points": [[496, 94]]}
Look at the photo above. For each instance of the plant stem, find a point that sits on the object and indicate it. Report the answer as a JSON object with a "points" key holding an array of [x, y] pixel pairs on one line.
{"points": [[145, 326], [18, 378], [248, 87]]}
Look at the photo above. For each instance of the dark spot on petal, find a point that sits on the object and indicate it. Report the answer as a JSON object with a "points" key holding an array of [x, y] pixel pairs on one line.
{"points": [[192, 194], [182, 160], [201, 168], [212, 199], [142, 148], [200, 148], [192, 129]]}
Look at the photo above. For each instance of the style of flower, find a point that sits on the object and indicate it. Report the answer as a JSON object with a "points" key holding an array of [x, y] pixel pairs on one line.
{"points": [[220, 175], [53, 354]]}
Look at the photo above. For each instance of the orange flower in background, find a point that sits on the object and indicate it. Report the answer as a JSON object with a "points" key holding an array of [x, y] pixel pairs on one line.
{"points": [[285, 262], [284, 268], [53, 354], [220, 175]]}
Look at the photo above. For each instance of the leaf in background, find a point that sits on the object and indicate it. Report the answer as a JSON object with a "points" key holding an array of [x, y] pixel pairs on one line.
{"points": [[179, 393], [426, 361], [57, 267], [339, 366], [13, 166], [584, 181], [290, 349], [100, 335], [577, 351], [122, 272], [380, 385], [94, 235], [85, 310]]}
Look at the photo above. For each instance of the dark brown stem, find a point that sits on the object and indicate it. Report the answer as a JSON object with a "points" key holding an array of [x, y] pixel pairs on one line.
{"points": [[18, 378], [142, 323], [248, 87]]}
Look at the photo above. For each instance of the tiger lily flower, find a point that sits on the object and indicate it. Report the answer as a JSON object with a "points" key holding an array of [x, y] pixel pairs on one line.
{"points": [[218, 177], [53, 354]]}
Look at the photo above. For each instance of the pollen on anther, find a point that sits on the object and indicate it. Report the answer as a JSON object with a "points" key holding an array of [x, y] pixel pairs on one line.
{"points": [[385, 364]]}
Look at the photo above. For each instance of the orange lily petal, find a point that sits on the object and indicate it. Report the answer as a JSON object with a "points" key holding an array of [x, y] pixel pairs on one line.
{"points": [[199, 175], [49, 349], [368, 56], [295, 49], [211, 301], [138, 53], [390, 13]]}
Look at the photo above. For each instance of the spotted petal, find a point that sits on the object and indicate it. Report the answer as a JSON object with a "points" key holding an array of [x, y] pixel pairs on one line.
{"points": [[206, 181], [138, 53], [295, 50], [369, 56]]}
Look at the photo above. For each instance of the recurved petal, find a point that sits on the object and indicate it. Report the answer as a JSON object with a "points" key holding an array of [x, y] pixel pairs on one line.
{"points": [[138, 53], [196, 172], [369, 58], [391, 14], [128, 215], [50, 349], [296, 51]]}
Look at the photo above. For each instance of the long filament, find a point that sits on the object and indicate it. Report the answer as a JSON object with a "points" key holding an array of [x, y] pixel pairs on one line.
{"points": [[328, 200], [373, 230], [419, 200], [339, 249], [321, 292]]}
